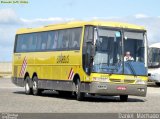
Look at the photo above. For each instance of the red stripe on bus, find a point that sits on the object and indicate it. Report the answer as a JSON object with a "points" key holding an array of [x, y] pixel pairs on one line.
{"points": [[69, 73], [23, 67]]}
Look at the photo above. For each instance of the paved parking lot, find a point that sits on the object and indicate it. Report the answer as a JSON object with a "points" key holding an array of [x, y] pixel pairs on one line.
{"points": [[13, 99]]}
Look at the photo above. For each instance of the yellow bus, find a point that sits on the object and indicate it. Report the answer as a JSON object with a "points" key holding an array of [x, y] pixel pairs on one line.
{"points": [[82, 57]]}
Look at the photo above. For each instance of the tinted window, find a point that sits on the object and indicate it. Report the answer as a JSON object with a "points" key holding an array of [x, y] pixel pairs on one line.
{"points": [[75, 38], [32, 42], [50, 40], [44, 40], [60, 39], [24, 43], [68, 39]]}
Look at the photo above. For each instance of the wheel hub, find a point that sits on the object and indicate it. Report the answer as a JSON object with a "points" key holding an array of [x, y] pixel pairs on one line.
{"points": [[27, 86]]}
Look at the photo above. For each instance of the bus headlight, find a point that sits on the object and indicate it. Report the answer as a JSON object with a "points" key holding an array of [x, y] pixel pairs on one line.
{"points": [[140, 81], [100, 79]]}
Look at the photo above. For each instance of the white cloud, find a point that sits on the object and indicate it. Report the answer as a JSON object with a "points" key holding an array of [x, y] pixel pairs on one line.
{"points": [[41, 20], [52, 19], [10, 22], [10, 19], [8, 16], [140, 16]]}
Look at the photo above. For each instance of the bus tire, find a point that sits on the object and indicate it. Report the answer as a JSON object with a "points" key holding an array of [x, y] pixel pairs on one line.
{"points": [[36, 90], [158, 83], [28, 90], [79, 94], [123, 98]]}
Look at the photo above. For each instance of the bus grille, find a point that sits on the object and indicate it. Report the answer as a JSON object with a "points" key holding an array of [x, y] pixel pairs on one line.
{"points": [[129, 81], [122, 81], [115, 80]]}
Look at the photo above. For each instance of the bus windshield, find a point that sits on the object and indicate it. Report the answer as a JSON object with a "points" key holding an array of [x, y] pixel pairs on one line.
{"points": [[134, 53], [154, 57], [111, 49]]}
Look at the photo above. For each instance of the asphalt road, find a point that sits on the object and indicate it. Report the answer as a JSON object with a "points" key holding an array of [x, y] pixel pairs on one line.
{"points": [[13, 99]]}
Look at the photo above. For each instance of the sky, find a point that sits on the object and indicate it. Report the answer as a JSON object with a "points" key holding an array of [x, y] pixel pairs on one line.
{"points": [[42, 12]]}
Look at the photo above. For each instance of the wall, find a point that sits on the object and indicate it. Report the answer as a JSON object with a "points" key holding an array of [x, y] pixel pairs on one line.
{"points": [[5, 69]]}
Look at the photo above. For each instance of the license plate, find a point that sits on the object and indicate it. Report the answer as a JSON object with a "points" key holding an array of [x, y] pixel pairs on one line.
{"points": [[102, 86], [121, 88]]}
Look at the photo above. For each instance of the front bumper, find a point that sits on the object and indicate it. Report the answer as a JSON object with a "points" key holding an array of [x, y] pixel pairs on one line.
{"points": [[154, 77], [118, 89]]}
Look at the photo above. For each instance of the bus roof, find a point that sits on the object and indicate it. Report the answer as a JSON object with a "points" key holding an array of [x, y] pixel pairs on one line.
{"points": [[155, 45], [79, 24]]}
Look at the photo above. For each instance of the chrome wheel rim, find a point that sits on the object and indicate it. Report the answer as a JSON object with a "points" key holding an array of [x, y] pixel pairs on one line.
{"points": [[27, 87], [34, 86]]}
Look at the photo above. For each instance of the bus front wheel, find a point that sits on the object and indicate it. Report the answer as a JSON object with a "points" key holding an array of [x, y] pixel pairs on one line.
{"points": [[79, 94], [36, 90], [28, 90], [123, 98]]}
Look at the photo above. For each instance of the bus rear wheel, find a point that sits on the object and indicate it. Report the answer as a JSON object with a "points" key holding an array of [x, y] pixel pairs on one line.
{"points": [[79, 94], [28, 90], [36, 90], [123, 98]]}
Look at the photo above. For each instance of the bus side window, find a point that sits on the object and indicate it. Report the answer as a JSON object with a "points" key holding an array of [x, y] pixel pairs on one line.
{"points": [[43, 41], [65, 40], [75, 37], [24, 47], [43, 46], [31, 42], [22, 43], [35, 41], [74, 41], [25, 42], [50, 40], [19, 43], [39, 39], [60, 39], [55, 40]]}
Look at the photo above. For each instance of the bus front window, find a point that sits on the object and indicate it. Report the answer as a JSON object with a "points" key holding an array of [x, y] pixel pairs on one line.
{"points": [[109, 58], [134, 44], [108, 51], [154, 58], [134, 56]]}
